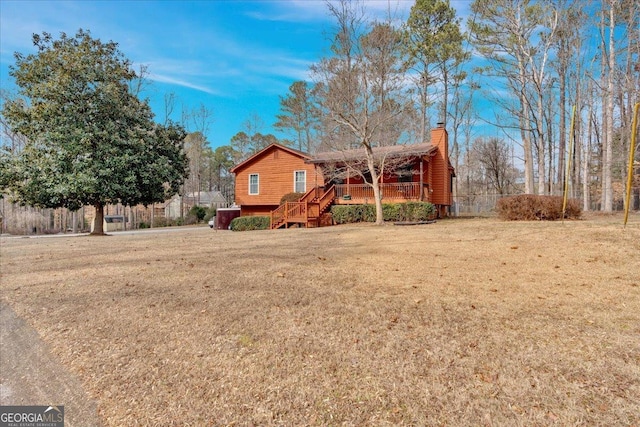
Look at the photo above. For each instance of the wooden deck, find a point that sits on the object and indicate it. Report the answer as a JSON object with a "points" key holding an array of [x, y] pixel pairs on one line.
{"points": [[399, 192], [309, 209]]}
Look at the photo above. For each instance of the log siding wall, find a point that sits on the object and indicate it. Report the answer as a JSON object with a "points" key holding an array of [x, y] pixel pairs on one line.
{"points": [[276, 170]]}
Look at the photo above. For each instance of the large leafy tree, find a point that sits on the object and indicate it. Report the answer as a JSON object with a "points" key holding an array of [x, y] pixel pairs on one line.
{"points": [[90, 141]]}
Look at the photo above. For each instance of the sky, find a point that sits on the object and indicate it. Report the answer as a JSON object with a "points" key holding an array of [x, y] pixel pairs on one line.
{"points": [[234, 58]]}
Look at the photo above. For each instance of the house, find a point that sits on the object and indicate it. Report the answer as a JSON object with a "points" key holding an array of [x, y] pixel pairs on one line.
{"points": [[265, 177], [208, 199], [418, 172]]}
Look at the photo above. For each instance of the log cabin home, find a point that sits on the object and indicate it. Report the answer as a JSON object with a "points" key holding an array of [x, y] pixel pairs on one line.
{"points": [[417, 172]]}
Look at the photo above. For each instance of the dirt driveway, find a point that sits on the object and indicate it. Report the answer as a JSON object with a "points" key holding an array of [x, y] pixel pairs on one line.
{"points": [[31, 375]]}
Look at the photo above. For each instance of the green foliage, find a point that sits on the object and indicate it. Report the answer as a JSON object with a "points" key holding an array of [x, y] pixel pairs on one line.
{"points": [[248, 223], [89, 140], [299, 114], [410, 211], [416, 211], [433, 32], [211, 212], [245, 145], [528, 207], [291, 197], [198, 212]]}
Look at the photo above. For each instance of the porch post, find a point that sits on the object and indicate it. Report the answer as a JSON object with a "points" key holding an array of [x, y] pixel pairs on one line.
{"points": [[421, 179]]}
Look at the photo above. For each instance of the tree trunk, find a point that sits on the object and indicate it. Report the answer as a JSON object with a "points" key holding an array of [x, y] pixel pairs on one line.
{"points": [[586, 160], [562, 131], [608, 149], [525, 133], [375, 184], [542, 157], [423, 110], [74, 227], [98, 220], [445, 85]]}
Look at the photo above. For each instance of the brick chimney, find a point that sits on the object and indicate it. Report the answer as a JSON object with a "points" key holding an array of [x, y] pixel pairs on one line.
{"points": [[440, 174]]}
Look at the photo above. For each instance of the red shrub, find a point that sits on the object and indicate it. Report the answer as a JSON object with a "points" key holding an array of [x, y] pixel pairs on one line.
{"points": [[528, 207]]}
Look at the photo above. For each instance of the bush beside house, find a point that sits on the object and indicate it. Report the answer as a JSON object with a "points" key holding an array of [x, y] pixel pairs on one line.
{"points": [[393, 212], [248, 223]]}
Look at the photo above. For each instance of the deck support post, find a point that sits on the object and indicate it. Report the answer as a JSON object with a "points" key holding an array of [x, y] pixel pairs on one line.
{"points": [[421, 179]]}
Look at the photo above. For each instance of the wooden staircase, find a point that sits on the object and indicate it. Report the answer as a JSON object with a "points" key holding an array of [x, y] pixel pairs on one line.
{"points": [[307, 210]]}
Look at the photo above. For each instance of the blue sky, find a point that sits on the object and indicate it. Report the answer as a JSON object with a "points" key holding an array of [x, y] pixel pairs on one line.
{"points": [[236, 58]]}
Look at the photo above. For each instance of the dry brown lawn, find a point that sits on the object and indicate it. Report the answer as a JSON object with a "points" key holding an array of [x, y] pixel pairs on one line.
{"points": [[462, 322]]}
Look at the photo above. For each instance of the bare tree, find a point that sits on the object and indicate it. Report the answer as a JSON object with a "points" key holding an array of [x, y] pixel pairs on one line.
{"points": [[516, 38], [629, 75], [141, 82], [169, 106], [568, 42], [608, 71], [198, 120], [494, 156], [365, 96]]}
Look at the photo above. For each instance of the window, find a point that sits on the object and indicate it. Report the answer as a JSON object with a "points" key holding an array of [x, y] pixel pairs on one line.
{"points": [[300, 181], [405, 173], [254, 183]]}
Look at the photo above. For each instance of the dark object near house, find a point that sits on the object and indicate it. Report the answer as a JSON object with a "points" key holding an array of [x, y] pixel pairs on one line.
{"points": [[224, 216]]}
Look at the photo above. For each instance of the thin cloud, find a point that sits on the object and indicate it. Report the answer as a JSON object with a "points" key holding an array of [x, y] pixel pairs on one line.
{"points": [[305, 10], [160, 78]]}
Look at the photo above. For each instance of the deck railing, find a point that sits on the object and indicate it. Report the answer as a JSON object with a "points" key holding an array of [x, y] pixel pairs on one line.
{"points": [[327, 198], [296, 210], [289, 211], [390, 191], [277, 216]]}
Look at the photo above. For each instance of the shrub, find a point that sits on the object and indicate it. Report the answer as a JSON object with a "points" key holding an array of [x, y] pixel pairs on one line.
{"points": [[291, 197], [211, 212], [346, 214], [416, 211], [410, 211], [161, 221], [392, 211], [529, 207], [190, 219], [247, 223], [198, 212]]}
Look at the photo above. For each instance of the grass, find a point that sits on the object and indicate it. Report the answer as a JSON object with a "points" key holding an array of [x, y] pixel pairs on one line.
{"points": [[463, 322]]}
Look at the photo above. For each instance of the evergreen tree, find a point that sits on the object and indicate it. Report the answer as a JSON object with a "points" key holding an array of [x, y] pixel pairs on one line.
{"points": [[90, 141]]}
